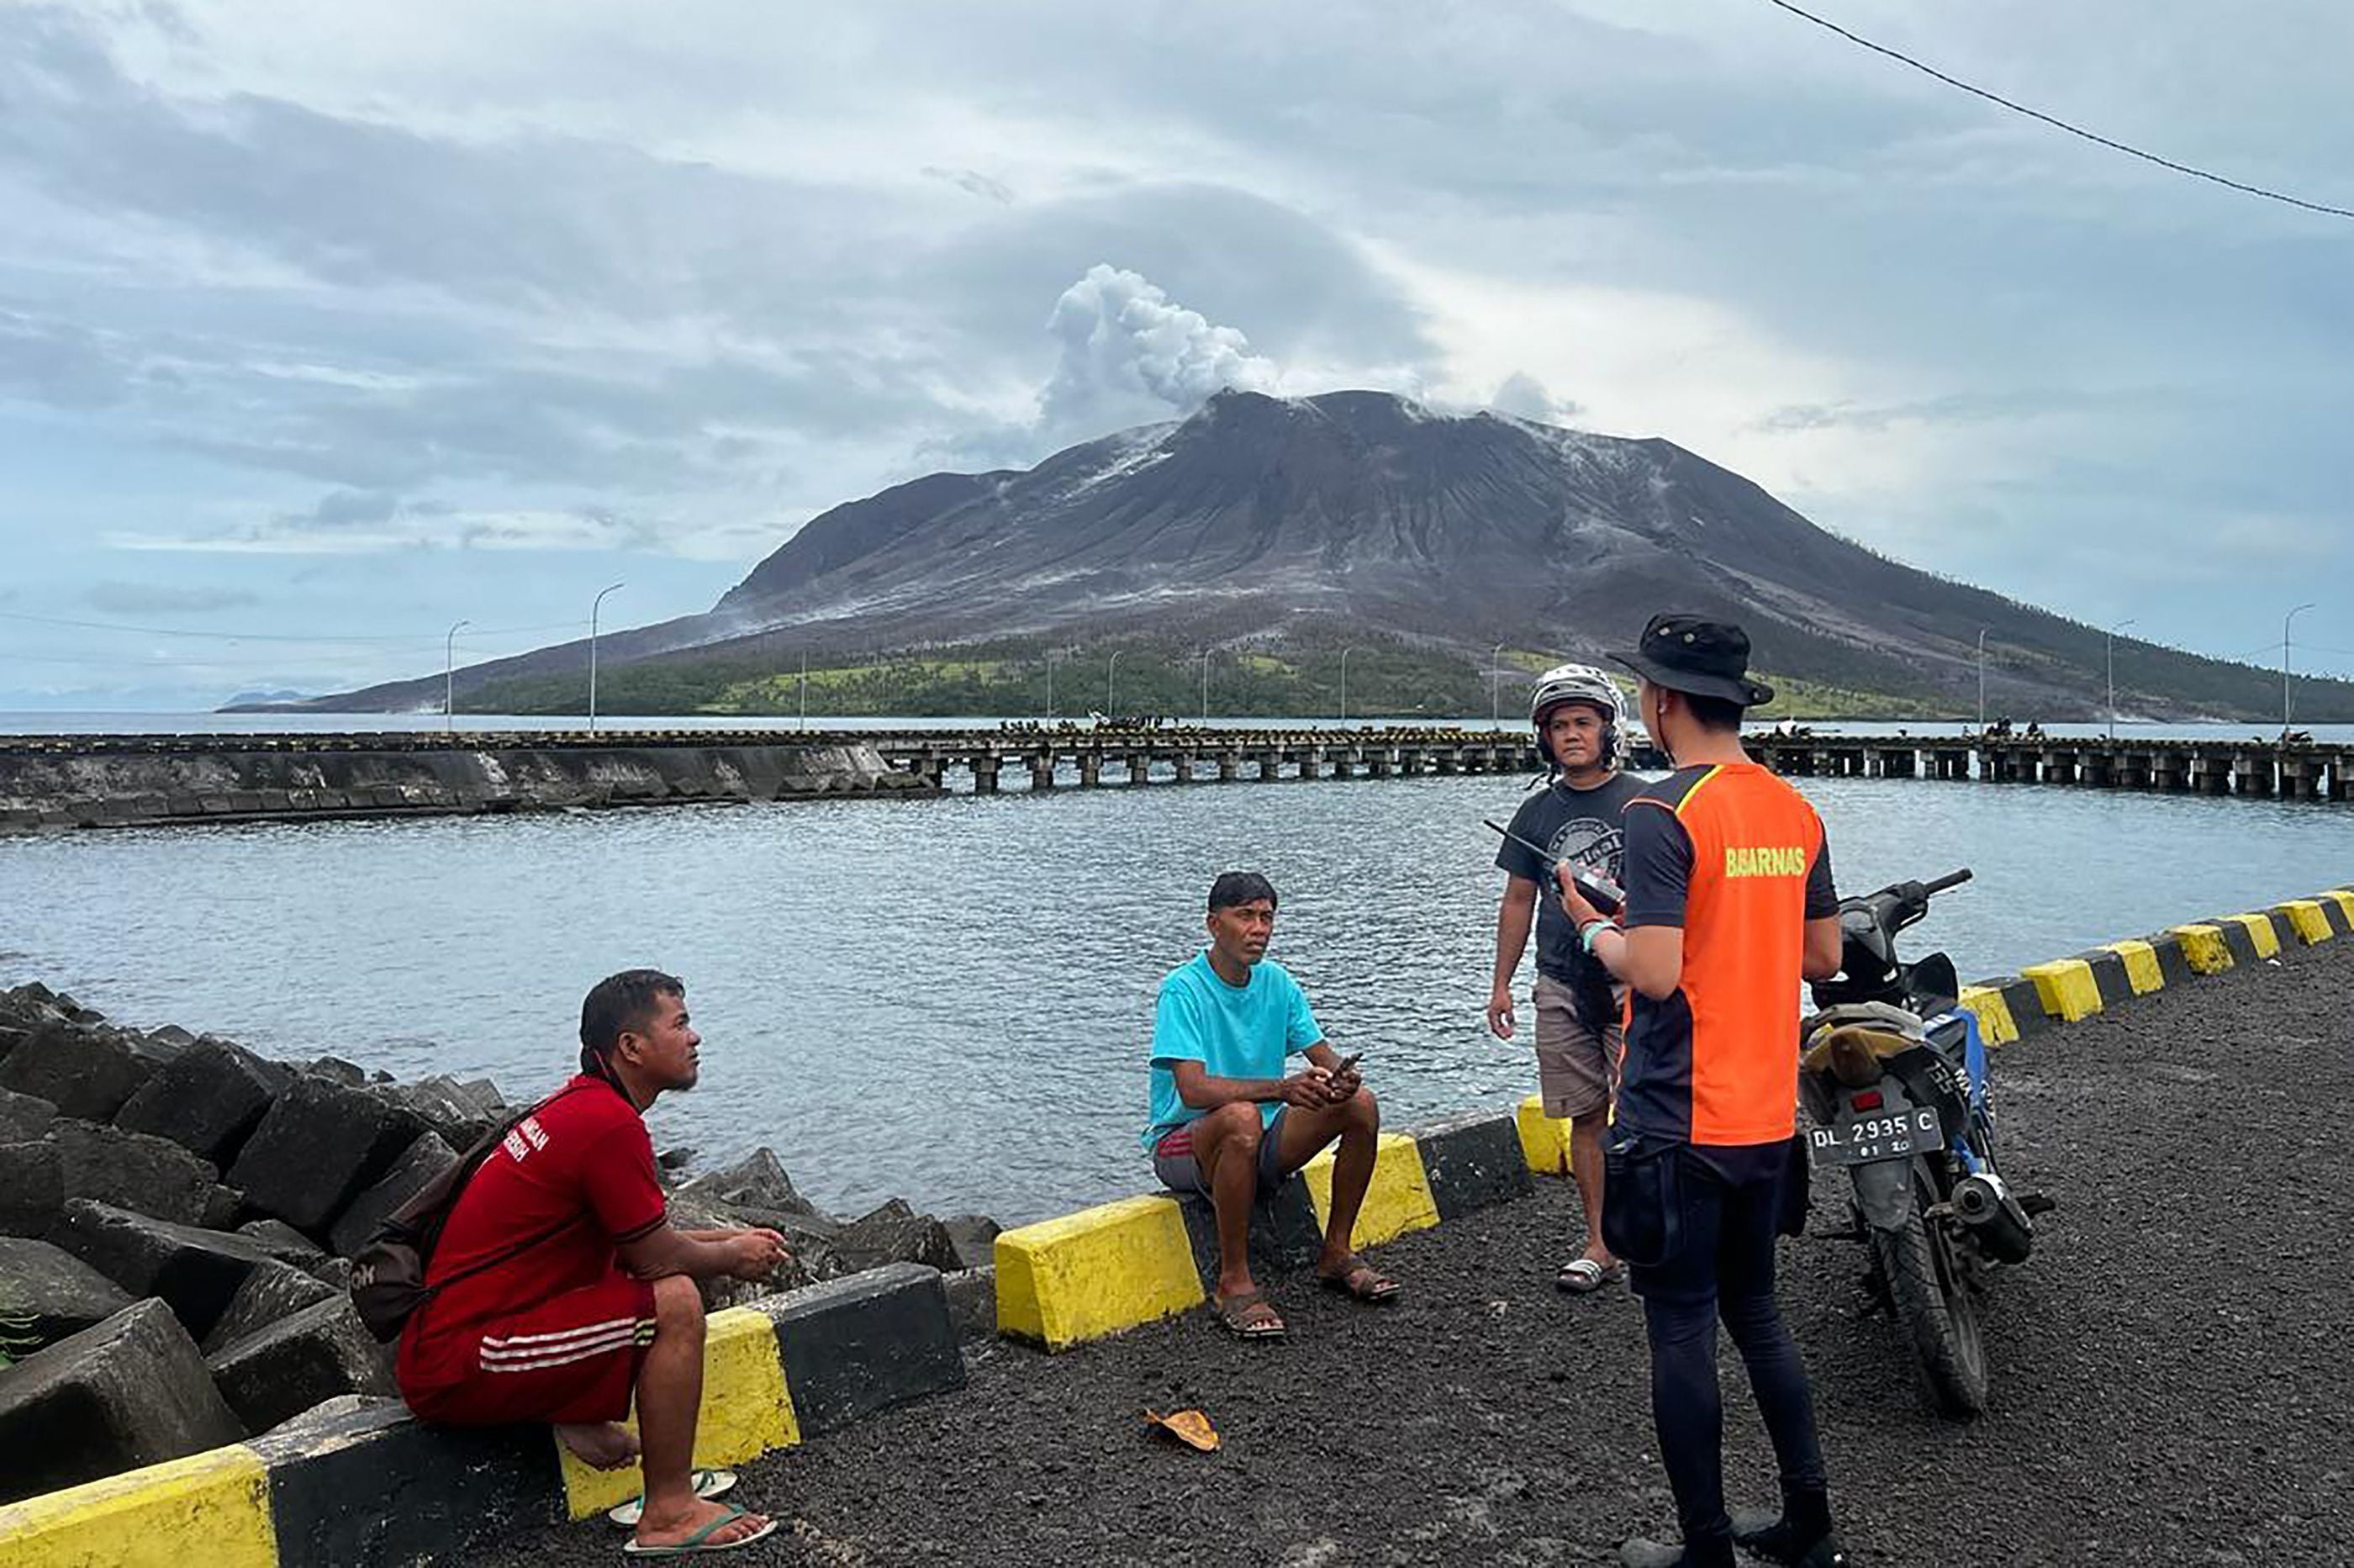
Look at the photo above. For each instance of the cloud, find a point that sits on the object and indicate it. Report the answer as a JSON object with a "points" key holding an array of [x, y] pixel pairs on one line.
{"points": [[159, 599], [971, 180], [349, 523], [1129, 356], [1524, 396]]}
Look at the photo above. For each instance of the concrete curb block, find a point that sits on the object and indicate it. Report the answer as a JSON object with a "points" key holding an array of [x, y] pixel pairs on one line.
{"points": [[859, 1345], [1473, 1162], [429, 1491], [2111, 980], [378, 1488], [2065, 989]]}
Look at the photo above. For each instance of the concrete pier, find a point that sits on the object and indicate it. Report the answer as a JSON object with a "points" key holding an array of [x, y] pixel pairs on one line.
{"points": [[103, 781]]}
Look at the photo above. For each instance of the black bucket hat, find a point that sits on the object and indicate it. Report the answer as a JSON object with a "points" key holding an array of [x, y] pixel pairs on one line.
{"points": [[1702, 658]]}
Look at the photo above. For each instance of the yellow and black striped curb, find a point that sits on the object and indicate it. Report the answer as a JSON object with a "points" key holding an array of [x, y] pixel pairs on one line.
{"points": [[1063, 1281], [2067, 990], [378, 1488]]}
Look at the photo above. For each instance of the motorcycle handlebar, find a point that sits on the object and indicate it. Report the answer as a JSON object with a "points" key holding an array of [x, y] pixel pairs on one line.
{"points": [[1952, 879]]}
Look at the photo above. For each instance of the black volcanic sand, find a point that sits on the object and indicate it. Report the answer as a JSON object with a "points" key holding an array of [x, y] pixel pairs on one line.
{"points": [[2173, 1371]]}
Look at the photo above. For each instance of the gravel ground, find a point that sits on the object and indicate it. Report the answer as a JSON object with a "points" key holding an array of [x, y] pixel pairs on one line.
{"points": [[2173, 1379]]}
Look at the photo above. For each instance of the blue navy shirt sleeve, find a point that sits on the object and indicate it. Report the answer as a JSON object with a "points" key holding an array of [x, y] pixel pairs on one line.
{"points": [[1515, 858], [1659, 864], [1823, 897]]}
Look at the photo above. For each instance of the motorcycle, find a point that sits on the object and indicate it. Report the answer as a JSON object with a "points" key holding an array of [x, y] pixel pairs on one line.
{"points": [[1893, 1075]]}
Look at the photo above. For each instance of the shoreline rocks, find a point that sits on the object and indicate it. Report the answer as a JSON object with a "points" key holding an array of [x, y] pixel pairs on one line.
{"points": [[177, 1217]]}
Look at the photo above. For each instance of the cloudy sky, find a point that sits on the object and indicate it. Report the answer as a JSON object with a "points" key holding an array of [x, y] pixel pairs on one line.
{"points": [[322, 327]]}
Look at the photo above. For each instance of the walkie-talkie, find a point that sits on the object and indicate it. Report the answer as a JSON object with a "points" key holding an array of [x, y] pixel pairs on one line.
{"points": [[1592, 886]]}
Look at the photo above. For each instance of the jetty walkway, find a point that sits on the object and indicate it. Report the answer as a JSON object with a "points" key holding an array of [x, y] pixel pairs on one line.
{"points": [[121, 781], [2171, 1378]]}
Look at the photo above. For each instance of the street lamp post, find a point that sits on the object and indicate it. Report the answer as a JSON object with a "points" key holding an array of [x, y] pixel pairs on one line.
{"points": [[1111, 669], [450, 679], [2291, 616], [1050, 685], [1982, 632], [804, 688], [2120, 626], [1344, 683], [1495, 678], [1205, 685], [594, 606]]}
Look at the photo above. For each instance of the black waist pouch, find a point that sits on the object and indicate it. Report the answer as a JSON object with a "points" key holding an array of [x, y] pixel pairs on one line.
{"points": [[1643, 1199], [1798, 1190]]}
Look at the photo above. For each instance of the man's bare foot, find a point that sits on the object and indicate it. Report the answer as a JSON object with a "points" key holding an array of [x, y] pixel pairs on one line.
{"points": [[672, 1529], [600, 1445]]}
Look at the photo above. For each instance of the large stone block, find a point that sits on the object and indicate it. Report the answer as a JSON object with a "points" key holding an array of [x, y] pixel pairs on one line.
{"points": [[81, 1072], [286, 1367], [894, 1234], [975, 1238], [272, 1291], [24, 1118], [197, 1272], [208, 1100], [134, 1170], [130, 1392], [58, 1291], [757, 1181], [454, 1111], [283, 1242], [320, 1143], [424, 1160], [32, 1187]]}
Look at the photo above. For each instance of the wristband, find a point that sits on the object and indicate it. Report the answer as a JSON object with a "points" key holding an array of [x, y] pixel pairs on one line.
{"points": [[1587, 932]]}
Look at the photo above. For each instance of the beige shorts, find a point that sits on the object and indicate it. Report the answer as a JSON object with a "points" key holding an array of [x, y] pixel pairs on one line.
{"points": [[1576, 1071]]}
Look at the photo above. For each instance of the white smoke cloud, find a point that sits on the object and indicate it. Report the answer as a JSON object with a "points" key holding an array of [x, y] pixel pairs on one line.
{"points": [[1130, 355]]}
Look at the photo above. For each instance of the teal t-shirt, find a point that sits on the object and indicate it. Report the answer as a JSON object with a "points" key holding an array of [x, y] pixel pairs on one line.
{"points": [[1233, 1031]]}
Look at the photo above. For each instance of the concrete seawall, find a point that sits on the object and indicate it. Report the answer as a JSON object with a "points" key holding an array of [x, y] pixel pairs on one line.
{"points": [[275, 777]]}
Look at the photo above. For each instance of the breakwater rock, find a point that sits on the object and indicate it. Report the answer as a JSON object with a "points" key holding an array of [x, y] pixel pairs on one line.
{"points": [[177, 1217], [50, 782]]}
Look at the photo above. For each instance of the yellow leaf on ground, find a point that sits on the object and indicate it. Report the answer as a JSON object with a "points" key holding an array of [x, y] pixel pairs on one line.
{"points": [[1189, 1426]]}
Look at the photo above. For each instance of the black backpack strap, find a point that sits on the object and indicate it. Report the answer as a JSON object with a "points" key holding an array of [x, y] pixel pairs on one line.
{"points": [[489, 1143]]}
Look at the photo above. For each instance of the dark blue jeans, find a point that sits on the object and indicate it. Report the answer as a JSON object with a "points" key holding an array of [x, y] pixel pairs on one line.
{"points": [[1724, 1268]]}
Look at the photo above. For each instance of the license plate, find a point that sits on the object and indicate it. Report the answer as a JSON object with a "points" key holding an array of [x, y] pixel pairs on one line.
{"points": [[1859, 1139]]}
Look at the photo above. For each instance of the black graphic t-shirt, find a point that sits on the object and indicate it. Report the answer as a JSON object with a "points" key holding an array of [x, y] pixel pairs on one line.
{"points": [[1580, 826]]}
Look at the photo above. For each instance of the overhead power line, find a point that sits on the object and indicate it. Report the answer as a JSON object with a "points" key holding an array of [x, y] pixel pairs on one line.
{"points": [[2060, 125]]}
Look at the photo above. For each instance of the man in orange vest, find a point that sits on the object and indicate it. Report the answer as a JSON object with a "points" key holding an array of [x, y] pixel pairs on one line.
{"points": [[1729, 905]]}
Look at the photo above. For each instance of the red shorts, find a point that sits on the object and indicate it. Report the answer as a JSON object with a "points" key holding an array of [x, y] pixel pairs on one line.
{"points": [[573, 1358]]}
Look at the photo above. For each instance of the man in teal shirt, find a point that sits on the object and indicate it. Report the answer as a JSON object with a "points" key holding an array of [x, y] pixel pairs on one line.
{"points": [[1230, 1124]]}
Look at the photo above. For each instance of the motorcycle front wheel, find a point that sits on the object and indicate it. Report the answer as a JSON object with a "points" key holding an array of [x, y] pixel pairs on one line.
{"points": [[1934, 1301]]}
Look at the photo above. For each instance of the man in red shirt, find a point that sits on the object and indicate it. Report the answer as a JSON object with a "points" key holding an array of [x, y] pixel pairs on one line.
{"points": [[560, 1290]]}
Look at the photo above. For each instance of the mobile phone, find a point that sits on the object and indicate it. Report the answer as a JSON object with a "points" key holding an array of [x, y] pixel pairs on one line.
{"points": [[1347, 1063]]}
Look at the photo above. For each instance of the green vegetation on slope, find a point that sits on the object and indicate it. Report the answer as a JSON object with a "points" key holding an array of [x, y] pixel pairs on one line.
{"points": [[1386, 678]]}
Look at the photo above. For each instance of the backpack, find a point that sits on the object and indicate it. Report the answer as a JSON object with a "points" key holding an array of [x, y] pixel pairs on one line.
{"points": [[388, 1273]]}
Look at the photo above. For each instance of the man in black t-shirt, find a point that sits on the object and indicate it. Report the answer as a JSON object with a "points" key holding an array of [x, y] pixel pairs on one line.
{"points": [[1579, 1013]]}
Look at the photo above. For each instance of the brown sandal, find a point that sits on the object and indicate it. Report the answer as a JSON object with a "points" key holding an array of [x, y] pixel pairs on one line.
{"points": [[1359, 1280], [1249, 1317]]}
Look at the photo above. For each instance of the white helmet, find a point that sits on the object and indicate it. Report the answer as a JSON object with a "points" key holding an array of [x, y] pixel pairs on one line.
{"points": [[1581, 683]]}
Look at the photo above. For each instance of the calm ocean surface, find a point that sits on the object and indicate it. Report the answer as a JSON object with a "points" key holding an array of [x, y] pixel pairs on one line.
{"points": [[951, 1000]]}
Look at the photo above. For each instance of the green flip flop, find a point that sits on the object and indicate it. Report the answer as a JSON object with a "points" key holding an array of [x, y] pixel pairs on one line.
{"points": [[701, 1542], [708, 1484]]}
